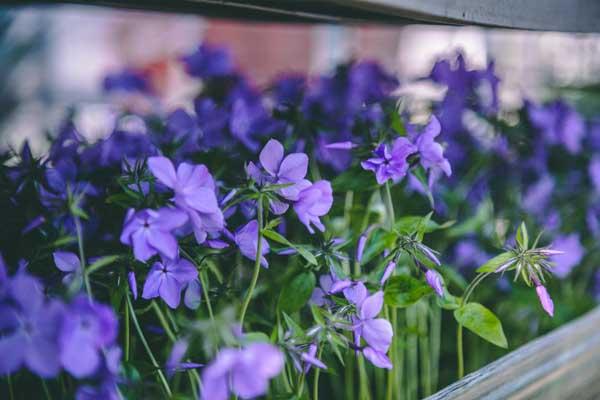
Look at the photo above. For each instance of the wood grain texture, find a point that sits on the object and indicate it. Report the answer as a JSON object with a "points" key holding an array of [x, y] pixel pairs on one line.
{"points": [[548, 15], [564, 364]]}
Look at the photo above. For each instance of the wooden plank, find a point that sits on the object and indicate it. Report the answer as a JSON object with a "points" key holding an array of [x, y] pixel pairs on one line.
{"points": [[549, 15], [564, 364]]}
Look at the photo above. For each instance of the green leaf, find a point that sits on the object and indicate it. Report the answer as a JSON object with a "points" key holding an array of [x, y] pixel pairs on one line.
{"points": [[276, 237], [414, 223], [355, 179], [482, 322], [522, 236], [255, 337], [295, 294], [493, 264], [448, 301], [405, 290], [100, 263]]}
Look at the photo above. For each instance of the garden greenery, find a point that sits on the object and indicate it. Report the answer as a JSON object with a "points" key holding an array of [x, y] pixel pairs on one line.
{"points": [[306, 238]]}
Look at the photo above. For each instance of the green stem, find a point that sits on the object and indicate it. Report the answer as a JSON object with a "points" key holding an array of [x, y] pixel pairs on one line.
{"points": [[259, 213], [316, 377], [364, 392], [161, 376], [11, 394], [459, 351], [300, 387], [436, 331], [412, 376], [163, 321], [46, 390], [424, 350], [86, 278], [389, 206], [204, 282], [127, 334]]}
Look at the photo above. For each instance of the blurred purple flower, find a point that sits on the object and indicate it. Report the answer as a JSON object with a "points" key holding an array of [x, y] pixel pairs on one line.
{"points": [[594, 172], [558, 123], [468, 254], [390, 164], [69, 263], [127, 80], [243, 372], [538, 195], [167, 279], [431, 153], [573, 253], [309, 358], [87, 329], [149, 232], [208, 61]]}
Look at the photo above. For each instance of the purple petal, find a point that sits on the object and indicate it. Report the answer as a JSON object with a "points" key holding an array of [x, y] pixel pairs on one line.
{"points": [[356, 294], [164, 242], [377, 359], [294, 167], [42, 357], [12, 349], [347, 145], [339, 286], [170, 291], [66, 261], [435, 281], [271, 155], [193, 295], [132, 284], [545, 299], [162, 168], [141, 249], [371, 306], [378, 334], [389, 269], [153, 281]]}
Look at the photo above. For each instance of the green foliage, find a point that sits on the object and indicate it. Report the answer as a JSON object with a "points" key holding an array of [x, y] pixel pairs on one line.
{"points": [[482, 322], [404, 290]]}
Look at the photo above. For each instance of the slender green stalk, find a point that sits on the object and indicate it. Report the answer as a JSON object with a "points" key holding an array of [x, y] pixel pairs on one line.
{"points": [[11, 394], [204, 282], [389, 206], [127, 335], [436, 332], [161, 376], [259, 213], [349, 376], [46, 390], [459, 351], [459, 337], [163, 321], [424, 350], [316, 377], [412, 376], [86, 279], [364, 391], [300, 387]]}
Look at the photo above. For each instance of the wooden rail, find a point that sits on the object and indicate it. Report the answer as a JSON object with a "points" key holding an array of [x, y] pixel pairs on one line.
{"points": [[564, 364], [548, 15]]}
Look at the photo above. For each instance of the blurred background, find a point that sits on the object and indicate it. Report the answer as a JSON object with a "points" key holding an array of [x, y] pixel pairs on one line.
{"points": [[55, 56]]}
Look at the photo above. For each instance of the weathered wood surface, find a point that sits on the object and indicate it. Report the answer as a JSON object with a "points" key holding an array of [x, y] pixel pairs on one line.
{"points": [[549, 15], [562, 365]]}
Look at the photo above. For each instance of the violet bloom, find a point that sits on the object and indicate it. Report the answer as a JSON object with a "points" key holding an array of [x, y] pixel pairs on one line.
{"points": [[594, 172], [431, 153], [132, 284], [314, 202], [290, 170], [545, 299], [572, 254], [194, 189], [69, 263], [167, 279], [87, 329], [377, 332], [243, 372], [390, 163], [319, 294], [387, 272], [149, 232], [558, 122], [434, 280], [208, 61], [246, 238], [29, 328], [309, 358], [175, 361]]}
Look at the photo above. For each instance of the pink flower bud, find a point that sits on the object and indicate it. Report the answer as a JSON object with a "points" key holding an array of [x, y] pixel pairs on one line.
{"points": [[545, 299]]}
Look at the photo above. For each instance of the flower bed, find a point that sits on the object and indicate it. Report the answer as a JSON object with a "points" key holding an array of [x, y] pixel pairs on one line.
{"points": [[320, 237]]}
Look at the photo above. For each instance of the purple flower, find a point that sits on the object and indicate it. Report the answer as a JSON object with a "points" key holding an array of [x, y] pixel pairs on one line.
{"points": [[246, 238], [87, 329], [387, 272], [572, 255], [390, 164], [309, 358], [558, 122], [319, 294], [432, 153], [545, 299], [244, 372], [29, 328], [377, 332], [174, 362], [127, 80], [435, 281], [314, 202], [594, 172], [194, 189], [538, 195], [149, 232], [132, 284], [208, 62], [290, 170], [69, 263], [193, 294], [167, 279]]}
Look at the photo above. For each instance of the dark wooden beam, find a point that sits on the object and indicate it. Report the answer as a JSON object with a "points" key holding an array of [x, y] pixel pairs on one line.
{"points": [[548, 15]]}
